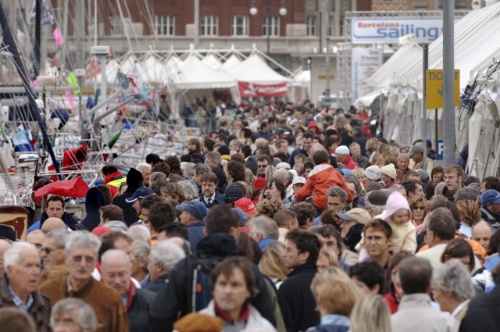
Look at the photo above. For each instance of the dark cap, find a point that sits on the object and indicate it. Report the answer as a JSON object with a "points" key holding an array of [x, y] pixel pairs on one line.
{"points": [[233, 193], [140, 193]]}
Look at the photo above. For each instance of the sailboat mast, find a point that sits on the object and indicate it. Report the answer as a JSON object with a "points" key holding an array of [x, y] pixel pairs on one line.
{"points": [[10, 42]]}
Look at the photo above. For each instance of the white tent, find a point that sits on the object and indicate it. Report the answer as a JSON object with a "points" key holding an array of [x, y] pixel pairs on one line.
{"points": [[232, 61], [254, 69], [212, 61], [194, 74], [153, 70]]}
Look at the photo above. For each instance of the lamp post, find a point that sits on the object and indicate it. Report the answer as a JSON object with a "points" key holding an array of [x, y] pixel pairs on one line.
{"points": [[282, 12]]}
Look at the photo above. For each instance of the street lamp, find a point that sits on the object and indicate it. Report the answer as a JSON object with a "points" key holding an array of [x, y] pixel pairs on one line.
{"points": [[282, 12]]}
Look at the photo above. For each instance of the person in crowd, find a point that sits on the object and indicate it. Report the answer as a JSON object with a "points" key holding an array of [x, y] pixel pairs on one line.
{"points": [[286, 221], [490, 207], [274, 190], [81, 257], [369, 277], [210, 196], [393, 284], [4, 245], [459, 249], [13, 319], [375, 202], [453, 288], [351, 227], [389, 175], [75, 313], [263, 162], [453, 181], [415, 311], [418, 206], [307, 141], [403, 162], [263, 229], [320, 180], [398, 215], [439, 229], [192, 214], [377, 241], [326, 259], [470, 214], [94, 200], [272, 265], [300, 255], [115, 267], [331, 240], [160, 214], [342, 155], [52, 256], [36, 238], [233, 286], [139, 261], [305, 213], [54, 208], [371, 314], [335, 296], [19, 284], [336, 199], [419, 158], [219, 243], [482, 232], [484, 309], [134, 182], [357, 156], [145, 170]]}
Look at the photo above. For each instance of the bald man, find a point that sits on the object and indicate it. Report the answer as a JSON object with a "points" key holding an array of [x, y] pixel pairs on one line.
{"points": [[4, 245], [36, 238], [482, 232], [52, 223]]}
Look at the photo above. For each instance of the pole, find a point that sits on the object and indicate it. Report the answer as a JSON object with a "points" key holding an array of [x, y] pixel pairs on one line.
{"points": [[268, 25], [448, 83], [79, 27], [423, 118], [38, 35], [8, 39], [436, 130], [326, 17], [96, 23], [196, 24], [337, 17]]}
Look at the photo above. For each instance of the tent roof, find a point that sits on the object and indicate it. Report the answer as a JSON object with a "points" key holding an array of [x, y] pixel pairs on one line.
{"points": [[476, 39], [194, 74], [212, 61], [232, 61], [256, 70]]}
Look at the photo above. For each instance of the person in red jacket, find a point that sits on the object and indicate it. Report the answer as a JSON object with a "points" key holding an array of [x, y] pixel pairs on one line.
{"points": [[342, 155], [320, 179]]}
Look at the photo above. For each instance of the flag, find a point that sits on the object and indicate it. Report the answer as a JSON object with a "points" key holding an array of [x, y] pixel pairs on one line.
{"points": [[73, 82], [69, 97], [115, 138], [58, 37]]}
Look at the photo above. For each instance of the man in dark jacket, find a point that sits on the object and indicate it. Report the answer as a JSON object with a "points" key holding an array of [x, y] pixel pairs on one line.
{"points": [[55, 208], [19, 285], [134, 181], [192, 213], [115, 268], [295, 297], [176, 299]]}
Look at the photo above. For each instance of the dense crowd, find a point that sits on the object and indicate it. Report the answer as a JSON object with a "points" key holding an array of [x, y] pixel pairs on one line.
{"points": [[284, 219]]}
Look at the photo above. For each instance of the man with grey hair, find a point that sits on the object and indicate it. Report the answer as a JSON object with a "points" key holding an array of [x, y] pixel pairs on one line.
{"points": [[162, 259], [74, 312], [357, 157], [19, 285], [139, 232], [453, 288], [53, 248], [115, 268], [356, 190], [188, 169], [336, 199], [81, 257], [263, 229], [200, 169], [145, 170], [286, 178], [415, 312], [139, 262], [4, 245]]}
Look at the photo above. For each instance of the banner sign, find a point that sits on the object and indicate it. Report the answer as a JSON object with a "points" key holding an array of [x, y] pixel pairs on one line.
{"points": [[365, 62], [249, 89], [388, 30]]}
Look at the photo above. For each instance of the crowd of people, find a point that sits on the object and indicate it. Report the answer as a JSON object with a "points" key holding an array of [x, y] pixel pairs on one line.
{"points": [[281, 220]]}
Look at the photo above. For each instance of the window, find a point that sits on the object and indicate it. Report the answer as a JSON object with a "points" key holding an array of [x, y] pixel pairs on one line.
{"points": [[312, 25], [273, 23], [165, 25], [209, 26], [116, 25], [239, 26]]}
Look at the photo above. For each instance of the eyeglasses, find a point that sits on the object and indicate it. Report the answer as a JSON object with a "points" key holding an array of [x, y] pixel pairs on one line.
{"points": [[262, 166], [418, 207]]}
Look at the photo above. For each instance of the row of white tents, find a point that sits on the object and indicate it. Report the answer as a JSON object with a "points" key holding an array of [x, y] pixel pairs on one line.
{"points": [[196, 71], [399, 82]]}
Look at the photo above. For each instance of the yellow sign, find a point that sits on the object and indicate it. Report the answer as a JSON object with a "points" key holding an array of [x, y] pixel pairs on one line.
{"points": [[434, 88]]}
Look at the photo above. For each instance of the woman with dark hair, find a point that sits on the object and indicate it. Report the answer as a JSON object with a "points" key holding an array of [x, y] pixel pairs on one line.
{"points": [[459, 249]]}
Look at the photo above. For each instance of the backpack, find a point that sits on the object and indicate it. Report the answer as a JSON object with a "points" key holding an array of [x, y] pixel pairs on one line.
{"points": [[201, 290]]}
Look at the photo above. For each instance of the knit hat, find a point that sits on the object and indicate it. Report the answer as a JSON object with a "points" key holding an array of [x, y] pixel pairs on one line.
{"points": [[378, 197], [199, 322], [259, 183], [342, 150], [389, 170], [373, 173], [395, 202], [415, 149]]}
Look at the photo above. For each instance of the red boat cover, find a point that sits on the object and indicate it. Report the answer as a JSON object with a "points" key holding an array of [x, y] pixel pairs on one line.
{"points": [[69, 188]]}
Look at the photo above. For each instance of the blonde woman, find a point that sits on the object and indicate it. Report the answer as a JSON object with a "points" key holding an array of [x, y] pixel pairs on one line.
{"points": [[371, 314], [470, 214], [272, 265], [326, 259]]}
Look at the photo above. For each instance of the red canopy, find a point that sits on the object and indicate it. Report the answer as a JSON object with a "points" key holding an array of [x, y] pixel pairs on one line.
{"points": [[70, 188]]}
